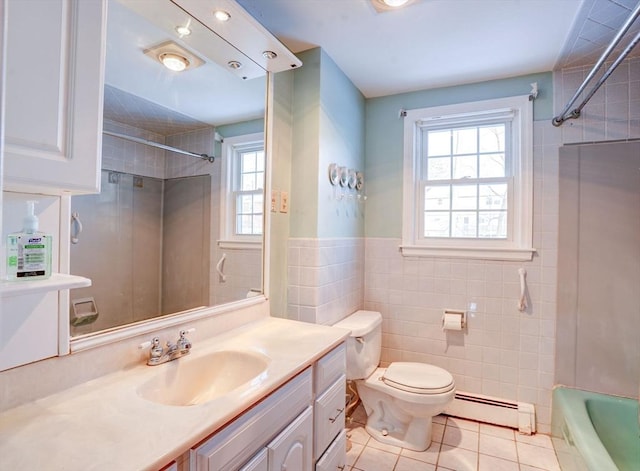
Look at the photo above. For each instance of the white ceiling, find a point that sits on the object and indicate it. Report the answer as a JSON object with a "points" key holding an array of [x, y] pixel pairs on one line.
{"points": [[429, 44], [434, 43]]}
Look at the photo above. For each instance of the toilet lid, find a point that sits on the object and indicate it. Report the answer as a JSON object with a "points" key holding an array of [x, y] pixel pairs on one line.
{"points": [[418, 378]]}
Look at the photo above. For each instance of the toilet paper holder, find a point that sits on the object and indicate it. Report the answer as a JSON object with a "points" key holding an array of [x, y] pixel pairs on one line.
{"points": [[453, 314]]}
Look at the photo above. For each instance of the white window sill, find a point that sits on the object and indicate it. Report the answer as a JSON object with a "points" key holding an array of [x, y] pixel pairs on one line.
{"points": [[240, 244], [479, 253]]}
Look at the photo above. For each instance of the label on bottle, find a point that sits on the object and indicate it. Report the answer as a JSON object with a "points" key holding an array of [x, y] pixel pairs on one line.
{"points": [[28, 256]]}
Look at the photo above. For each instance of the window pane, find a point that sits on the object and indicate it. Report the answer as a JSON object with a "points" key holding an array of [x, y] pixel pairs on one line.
{"points": [[260, 161], [493, 196], [439, 143], [439, 169], [493, 224], [464, 196], [492, 138], [492, 165], [436, 224], [243, 205], [465, 167], [437, 197], [257, 224], [257, 204], [259, 180], [243, 225], [248, 162], [248, 182], [464, 224], [465, 141]]}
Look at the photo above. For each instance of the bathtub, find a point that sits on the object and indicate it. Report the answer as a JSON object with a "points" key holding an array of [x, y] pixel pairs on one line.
{"points": [[595, 432]]}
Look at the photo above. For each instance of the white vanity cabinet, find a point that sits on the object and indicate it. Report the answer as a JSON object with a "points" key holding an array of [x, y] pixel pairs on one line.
{"points": [[299, 427], [54, 88]]}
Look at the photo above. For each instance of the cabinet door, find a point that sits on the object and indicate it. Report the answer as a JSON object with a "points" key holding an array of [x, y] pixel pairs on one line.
{"points": [[291, 450], [260, 462], [54, 88]]}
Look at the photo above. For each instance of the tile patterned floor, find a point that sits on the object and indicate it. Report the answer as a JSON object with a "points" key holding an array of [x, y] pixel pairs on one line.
{"points": [[458, 445]]}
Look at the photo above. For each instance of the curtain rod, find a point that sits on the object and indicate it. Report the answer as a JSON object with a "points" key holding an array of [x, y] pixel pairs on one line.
{"points": [[575, 113], [209, 158]]}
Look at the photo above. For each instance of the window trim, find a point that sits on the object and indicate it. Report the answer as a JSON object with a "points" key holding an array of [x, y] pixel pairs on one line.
{"points": [[228, 238], [519, 245]]}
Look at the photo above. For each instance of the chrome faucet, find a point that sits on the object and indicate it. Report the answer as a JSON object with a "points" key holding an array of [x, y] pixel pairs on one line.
{"points": [[159, 355]]}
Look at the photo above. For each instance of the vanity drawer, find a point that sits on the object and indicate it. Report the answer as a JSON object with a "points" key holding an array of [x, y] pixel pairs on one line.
{"points": [[238, 442], [329, 415], [335, 457], [330, 367]]}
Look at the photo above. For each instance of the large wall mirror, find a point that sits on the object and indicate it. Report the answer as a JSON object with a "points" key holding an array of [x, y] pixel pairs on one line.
{"points": [[178, 223]]}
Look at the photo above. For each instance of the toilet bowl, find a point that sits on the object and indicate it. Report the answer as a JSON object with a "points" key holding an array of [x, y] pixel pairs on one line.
{"points": [[400, 400]]}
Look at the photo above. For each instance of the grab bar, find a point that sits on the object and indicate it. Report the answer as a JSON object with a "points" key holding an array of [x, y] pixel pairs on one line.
{"points": [[76, 228], [522, 302], [219, 267]]}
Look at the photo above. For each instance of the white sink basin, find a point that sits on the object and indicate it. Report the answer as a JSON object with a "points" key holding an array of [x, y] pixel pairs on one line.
{"points": [[191, 381]]}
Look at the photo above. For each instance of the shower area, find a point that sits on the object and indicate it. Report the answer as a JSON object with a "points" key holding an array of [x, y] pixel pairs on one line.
{"points": [[595, 422], [145, 244]]}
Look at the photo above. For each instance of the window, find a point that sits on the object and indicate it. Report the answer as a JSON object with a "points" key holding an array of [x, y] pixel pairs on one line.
{"points": [[468, 180], [242, 190]]}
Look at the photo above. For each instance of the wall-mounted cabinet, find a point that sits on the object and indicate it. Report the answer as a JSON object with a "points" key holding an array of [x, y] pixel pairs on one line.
{"points": [[54, 81]]}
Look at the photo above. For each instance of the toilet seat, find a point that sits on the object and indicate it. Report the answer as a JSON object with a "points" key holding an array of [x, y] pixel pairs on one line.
{"points": [[418, 378]]}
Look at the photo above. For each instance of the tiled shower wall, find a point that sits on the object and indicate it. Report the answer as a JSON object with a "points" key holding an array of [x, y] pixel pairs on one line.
{"points": [[242, 266], [325, 279]]}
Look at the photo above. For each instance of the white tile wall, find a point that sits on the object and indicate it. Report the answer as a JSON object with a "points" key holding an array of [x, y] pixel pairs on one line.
{"points": [[130, 157], [326, 279]]}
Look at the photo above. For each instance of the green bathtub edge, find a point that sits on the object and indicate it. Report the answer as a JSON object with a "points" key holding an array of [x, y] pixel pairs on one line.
{"points": [[583, 436]]}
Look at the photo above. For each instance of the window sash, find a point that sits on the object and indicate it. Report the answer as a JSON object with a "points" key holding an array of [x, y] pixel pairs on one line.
{"points": [[422, 210]]}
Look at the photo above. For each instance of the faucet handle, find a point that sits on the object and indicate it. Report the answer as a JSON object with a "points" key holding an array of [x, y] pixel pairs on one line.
{"points": [[187, 331], [156, 349], [184, 344]]}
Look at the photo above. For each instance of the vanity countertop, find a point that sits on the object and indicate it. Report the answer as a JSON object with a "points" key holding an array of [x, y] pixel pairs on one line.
{"points": [[104, 424]]}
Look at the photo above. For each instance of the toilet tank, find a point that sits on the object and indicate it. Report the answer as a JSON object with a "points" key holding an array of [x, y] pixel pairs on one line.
{"points": [[364, 344]]}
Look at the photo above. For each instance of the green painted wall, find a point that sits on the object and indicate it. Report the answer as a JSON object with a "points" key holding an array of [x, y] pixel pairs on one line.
{"points": [[384, 139], [328, 127]]}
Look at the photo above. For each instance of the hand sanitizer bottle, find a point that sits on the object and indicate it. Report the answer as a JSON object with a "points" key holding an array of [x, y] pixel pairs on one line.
{"points": [[29, 251]]}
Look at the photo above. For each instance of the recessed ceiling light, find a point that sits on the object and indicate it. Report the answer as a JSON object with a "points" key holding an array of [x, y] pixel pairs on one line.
{"points": [[173, 61], [234, 65], [222, 15], [389, 5], [394, 3], [269, 55], [183, 30], [173, 56]]}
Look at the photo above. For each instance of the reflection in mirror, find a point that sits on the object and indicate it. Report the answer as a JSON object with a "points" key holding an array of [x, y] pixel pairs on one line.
{"points": [[155, 241]]}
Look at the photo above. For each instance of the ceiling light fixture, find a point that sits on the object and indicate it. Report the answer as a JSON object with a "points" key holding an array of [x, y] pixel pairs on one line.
{"points": [[234, 65], [222, 15], [173, 61], [389, 5], [174, 56], [269, 55], [183, 30]]}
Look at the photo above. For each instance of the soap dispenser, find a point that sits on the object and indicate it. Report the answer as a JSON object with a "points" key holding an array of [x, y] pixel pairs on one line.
{"points": [[29, 251]]}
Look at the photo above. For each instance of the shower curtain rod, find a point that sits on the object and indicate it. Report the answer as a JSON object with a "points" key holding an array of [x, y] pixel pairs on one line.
{"points": [[575, 113], [209, 158]]}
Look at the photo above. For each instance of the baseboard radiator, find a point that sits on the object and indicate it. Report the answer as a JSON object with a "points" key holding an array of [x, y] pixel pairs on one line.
{"points": [[493, 410]]}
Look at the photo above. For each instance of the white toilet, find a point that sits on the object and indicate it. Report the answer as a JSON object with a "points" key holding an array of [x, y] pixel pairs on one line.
{"points": [[399, 400]]}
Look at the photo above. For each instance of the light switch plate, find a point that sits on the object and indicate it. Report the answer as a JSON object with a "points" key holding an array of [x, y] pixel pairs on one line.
{"points": [[284, 202], [274, 200]]}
